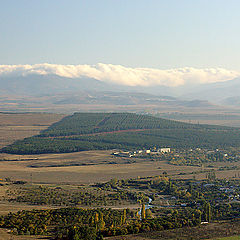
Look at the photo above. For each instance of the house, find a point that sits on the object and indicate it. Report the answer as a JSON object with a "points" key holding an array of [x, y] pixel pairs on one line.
{"points": [[164, 150]]}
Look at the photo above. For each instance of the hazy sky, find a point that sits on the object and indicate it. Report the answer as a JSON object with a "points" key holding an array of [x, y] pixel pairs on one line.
{"points": [[134, 33]]}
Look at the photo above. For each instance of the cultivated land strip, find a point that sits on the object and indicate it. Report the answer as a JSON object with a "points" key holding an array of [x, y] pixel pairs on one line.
{"points": [[102, 133]]}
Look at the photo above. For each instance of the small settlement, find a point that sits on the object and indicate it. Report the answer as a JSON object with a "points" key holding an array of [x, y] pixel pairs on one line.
{"points": [[141, 152]]}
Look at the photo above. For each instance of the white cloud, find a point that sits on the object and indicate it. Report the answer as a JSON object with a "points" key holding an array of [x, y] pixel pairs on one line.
{"points": [[125, 76]]}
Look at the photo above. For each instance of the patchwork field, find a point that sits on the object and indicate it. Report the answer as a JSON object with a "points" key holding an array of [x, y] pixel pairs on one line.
{"points": [[94, 166]]}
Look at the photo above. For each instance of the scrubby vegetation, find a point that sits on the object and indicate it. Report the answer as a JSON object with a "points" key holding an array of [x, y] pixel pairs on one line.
{"points": [[74, 196]]}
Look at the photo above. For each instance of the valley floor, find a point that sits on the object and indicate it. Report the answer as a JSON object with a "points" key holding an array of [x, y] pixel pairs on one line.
{"points": [[213, 231], [208, 231]]}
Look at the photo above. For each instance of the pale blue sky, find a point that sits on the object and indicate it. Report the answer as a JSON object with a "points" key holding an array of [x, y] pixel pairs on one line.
{"points": [[134, 33]]}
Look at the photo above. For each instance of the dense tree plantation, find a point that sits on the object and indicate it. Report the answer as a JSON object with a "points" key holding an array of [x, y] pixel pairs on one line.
{"points": [[101, 131], [86, 123]]}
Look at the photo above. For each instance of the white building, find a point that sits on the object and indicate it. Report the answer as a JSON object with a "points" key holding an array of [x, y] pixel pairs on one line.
{"points": [[164, 150]]}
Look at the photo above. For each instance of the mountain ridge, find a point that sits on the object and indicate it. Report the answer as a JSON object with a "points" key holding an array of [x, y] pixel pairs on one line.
{"points": [[62, 90]]}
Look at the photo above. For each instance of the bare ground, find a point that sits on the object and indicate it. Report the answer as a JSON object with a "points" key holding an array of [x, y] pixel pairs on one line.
{"points": [[5, 235], [19, 126], [208, 231]]}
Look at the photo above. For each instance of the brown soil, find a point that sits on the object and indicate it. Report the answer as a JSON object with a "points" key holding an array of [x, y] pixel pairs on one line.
{"points": [[208, 231]]}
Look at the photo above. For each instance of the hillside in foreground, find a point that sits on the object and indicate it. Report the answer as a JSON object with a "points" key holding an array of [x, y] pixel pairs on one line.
{"points": [[101, 131]]}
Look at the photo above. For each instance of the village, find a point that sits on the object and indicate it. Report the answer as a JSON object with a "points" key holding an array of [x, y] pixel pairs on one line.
{"points": [[142, 152]]}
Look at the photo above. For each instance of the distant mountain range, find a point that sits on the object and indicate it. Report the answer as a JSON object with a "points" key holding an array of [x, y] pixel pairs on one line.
{"points": [[221, 92], [61, 90], [38, 85]]}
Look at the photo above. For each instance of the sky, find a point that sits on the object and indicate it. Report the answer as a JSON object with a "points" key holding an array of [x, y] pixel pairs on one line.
{"points": [[156, 34]]}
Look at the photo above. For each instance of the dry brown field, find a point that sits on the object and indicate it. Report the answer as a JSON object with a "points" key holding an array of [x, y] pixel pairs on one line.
{"points": [[207, 231], [231, 123], [95, 166], [19, 126], [6, 207], [5, 235], [98, 169]]}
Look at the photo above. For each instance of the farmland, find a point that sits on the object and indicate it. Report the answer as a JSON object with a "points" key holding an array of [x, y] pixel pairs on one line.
{"points": [[175, 204], [103, 131], [22, 125], [54, 183]]}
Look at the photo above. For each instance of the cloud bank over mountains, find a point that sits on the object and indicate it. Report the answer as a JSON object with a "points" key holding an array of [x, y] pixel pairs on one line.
{"points": [[121, 75]]}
